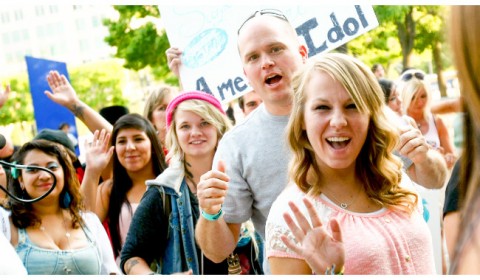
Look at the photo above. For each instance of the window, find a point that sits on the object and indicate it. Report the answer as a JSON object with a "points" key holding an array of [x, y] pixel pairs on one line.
{"points": [[53, 9], [80, 24], [39, 11], [5, 17], [25, 35], [5, 38], [15, 36], [18, 14]]}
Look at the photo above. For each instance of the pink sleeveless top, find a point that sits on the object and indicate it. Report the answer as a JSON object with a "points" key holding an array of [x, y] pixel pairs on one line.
{"points": [[381, 242]]}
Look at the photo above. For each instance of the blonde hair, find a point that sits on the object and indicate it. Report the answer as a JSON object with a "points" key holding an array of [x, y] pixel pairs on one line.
{"points": [[203, 109], [156, 96], [464, 39], [376, 164], [408, 91]]}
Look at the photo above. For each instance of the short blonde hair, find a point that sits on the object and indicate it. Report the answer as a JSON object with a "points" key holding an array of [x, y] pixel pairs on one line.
{"points": [[206, 111], [376, 164]]}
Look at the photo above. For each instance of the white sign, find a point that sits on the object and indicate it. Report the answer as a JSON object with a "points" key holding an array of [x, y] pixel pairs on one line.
{"points": [[207, 35]]}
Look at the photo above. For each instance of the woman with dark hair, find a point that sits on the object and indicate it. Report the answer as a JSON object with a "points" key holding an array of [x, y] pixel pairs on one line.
{"points": [[54, 235], [137, 157]]}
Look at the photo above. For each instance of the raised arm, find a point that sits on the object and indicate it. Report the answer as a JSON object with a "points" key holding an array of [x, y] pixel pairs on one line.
{"points": [[98, 155], [446, 142], [216, 238], [428, 168], [63, 94], [174, 62]]}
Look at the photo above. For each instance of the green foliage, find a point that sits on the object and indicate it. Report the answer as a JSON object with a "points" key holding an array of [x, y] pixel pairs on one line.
{"points": [[140, 47], [18, 107], [404, 38], [98, 84]]}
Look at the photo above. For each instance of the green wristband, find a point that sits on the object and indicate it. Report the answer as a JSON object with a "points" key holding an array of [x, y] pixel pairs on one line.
{"points": [[212, 217]]}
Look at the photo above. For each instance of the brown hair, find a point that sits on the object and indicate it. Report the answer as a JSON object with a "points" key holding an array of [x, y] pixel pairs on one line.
{"points": [[464, 39], [23, 215]]}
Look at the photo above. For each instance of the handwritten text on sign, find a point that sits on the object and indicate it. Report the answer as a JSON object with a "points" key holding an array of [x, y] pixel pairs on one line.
{"points": [[207, 35]]}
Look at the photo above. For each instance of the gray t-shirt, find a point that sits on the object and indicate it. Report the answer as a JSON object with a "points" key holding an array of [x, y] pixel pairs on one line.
{"points": [[256, 157]]}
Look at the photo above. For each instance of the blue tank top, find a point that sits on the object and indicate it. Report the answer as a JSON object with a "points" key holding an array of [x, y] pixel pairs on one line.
{"points": [[40, 261]]}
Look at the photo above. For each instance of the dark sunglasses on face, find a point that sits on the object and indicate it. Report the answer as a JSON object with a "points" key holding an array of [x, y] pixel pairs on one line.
{"points": [[271, 12], [418, 75]]}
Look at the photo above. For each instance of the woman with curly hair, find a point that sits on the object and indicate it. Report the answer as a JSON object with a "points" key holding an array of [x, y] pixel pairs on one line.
{"points": [[54, 236], [365, 214]]}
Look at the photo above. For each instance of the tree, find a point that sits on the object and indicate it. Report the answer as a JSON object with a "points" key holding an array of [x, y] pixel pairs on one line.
{"points": [[143, 46], [98, 84], [431, 35], [404, 31], [18, 107]]}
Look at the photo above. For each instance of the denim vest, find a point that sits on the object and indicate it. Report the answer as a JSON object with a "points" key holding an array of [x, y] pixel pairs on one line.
{"points": [[180, 253]]}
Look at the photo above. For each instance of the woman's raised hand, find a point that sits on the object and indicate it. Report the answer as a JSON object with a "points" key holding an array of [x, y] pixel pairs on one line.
{"points": [[62, 92], [320, 248], [98, 152]]}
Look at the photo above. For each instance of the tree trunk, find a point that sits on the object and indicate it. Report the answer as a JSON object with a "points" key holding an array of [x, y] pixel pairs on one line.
{"points": [[437, 60], [406, 36]]}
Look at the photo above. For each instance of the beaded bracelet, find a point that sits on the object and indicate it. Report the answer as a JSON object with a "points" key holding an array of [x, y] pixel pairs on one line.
{"points": [[212, 217], [331, 270]]}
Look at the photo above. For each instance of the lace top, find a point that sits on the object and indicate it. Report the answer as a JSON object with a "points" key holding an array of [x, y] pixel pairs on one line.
{"points": [[382, 242]]}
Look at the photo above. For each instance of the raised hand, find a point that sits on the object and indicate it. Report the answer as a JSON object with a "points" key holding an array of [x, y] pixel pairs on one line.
{"points": [[174, 61], [412, 144], [98, 152], [316, 245], [62, 92], [4, 95], [212, 189]]}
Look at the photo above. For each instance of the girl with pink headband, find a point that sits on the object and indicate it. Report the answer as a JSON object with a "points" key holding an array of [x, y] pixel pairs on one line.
{"points": [[163, 228]]}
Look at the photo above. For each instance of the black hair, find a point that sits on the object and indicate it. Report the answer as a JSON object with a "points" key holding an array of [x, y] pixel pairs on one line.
{"points": [[387, 86], [122, 183]]}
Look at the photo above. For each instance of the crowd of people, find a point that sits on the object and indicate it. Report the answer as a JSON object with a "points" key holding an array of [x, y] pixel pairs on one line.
{"points": [[322, 176]]}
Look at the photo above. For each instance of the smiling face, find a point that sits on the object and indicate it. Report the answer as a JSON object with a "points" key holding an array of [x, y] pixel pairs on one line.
{"points": [[37, 182], [335, 127], [196, 137], [270, 54], [133, 149]]}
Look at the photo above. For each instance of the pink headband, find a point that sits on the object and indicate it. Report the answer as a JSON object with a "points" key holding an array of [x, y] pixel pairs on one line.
{"points": [[198, 95]]}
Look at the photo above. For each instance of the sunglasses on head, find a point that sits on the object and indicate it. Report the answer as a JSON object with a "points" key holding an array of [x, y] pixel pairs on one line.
{"points": [[270, 12], [418, 75]]}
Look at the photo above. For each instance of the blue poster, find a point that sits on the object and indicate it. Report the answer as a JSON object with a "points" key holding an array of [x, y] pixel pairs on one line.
{"points": [[48, 114]]}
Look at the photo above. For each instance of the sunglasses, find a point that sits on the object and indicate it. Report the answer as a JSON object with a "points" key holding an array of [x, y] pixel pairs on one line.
{"points": [[409, 76], [270, 12]]}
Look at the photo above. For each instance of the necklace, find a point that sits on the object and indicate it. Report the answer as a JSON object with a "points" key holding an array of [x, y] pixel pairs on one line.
{"points": [[345, 205], [67, 233]]}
